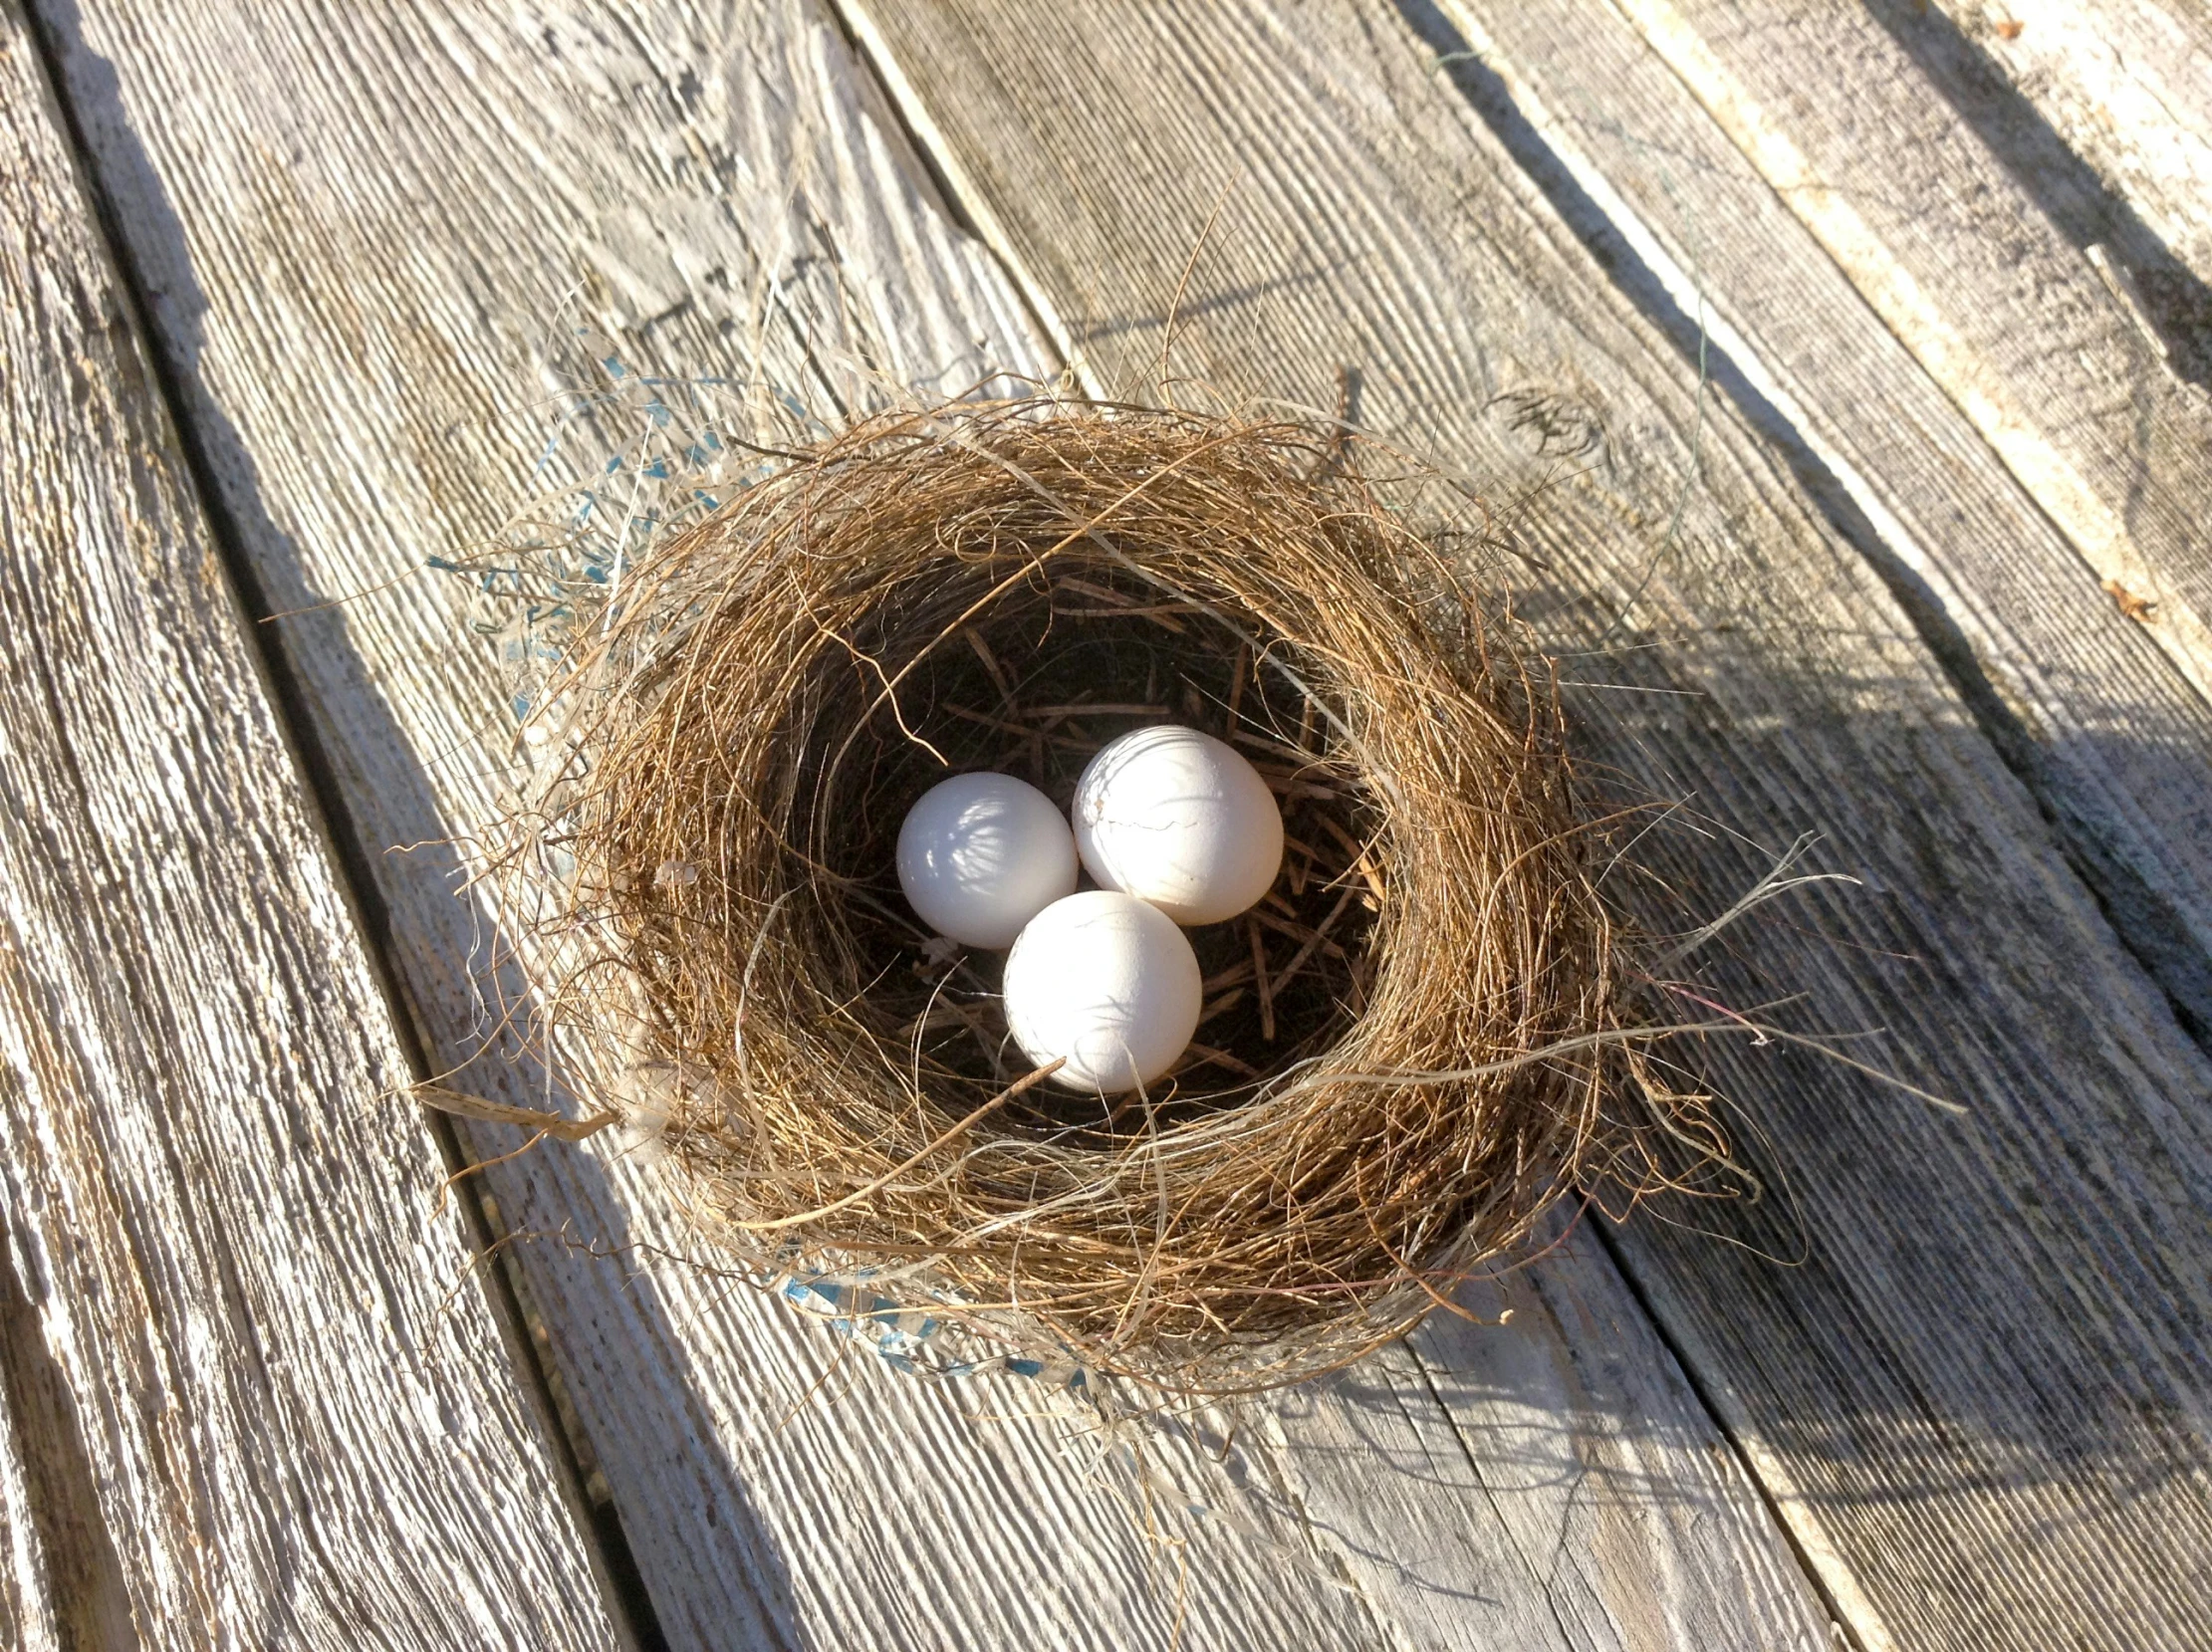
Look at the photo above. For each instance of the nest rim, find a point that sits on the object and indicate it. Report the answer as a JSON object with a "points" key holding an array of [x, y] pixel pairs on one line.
{"points": [[1297, 1224]]}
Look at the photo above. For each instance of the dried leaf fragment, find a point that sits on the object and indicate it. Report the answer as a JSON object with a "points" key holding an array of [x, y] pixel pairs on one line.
{"points": [[2138, 609]]}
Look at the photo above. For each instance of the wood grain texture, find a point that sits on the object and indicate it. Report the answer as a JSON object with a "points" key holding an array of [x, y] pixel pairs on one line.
{"points": [[353, 319], [252, 1398], [1979, 1391], [2112, 739], [27, 1604], [1997, 258], [1577, 1434], [2125, 85], [64, 1587], [27, 1607], [30, 1608]]}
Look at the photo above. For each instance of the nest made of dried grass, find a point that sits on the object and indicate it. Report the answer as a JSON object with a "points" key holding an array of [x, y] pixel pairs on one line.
{"points": [[1412, 1050]]}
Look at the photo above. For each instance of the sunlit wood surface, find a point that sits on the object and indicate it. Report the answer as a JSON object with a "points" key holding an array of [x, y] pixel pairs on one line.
{"points": [[1845, 366]]}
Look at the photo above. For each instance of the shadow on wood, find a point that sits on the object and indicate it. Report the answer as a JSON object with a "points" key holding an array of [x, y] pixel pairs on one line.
{"points": [[2080, 204], [2051, 764]]}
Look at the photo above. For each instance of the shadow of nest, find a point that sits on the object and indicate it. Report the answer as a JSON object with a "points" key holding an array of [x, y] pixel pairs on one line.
{"points": [[1412, 1049]]}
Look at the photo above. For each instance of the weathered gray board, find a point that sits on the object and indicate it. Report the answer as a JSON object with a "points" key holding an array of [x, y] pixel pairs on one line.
{"points": [[2056, 320], [2126, 86], [2113, 739], [249, 1396], [351, 233], [1980, 1395]]}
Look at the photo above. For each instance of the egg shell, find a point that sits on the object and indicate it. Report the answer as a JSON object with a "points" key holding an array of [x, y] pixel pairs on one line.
{"points": [[1179, 819], [981, 854], [1107, 982]]}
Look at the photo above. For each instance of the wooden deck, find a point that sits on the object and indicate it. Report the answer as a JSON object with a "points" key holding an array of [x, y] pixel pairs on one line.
{"points": [[1880, 335]]}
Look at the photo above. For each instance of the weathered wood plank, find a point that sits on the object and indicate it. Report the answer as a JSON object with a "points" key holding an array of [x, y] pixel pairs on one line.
{"points": [[30, 1605], [1611, 1519], [2112, 739], [27, 1614], [1978, 239], [27, 1608], [64, 1587], [676, 161], [252, 1398], [2125, 85], [1979, 1398]]}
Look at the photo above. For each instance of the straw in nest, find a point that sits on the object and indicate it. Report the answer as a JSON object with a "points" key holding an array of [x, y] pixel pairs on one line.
{"points": [[1411, 1049]]}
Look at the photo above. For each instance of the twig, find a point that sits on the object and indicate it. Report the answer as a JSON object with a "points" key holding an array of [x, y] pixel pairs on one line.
{"points": [[1221, 1058], [1260, 982], [1235, 975], [1360, 860], [990, 665], [1303, 954], [501, 1113], [1221, 1005], [1296, 931], [1096, 710]]}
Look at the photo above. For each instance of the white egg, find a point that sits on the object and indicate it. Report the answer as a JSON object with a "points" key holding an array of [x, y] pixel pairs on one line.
{"points": [[1178, 818], [1107, 982], [981, 854]]}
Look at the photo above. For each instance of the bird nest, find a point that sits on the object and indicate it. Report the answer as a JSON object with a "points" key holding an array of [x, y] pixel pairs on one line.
{"points": [[1409, 1050]]}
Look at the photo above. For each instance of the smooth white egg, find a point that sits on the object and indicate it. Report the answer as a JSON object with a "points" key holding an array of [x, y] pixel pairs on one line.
{"points": [[979, 855], [1177, 817], [1107, 982]]}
